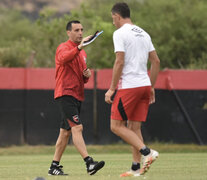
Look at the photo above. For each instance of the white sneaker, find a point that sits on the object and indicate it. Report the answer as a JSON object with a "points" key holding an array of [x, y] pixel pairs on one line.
{"points": [[130, 173], [148, 160]]}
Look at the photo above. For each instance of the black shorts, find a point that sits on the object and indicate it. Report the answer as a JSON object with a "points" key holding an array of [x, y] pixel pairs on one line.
{"points": [[70, 111]]}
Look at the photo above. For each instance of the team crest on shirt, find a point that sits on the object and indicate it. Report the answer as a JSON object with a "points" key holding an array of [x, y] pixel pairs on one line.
{"points": [[76, 118]]}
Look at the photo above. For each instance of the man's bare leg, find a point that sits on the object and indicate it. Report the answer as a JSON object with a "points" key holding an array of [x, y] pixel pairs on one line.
{"points": [[78, 140], [147, 160], [135, 126], [62, 141], [61, 144], [119, 128]]}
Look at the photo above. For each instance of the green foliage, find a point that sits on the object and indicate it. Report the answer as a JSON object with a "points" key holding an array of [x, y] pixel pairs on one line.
{"points": [[15, 45], [51, 32], [16, 55], [178, 31], [177, 28]]}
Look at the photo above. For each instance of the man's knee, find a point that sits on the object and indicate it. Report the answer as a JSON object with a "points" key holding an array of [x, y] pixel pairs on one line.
{"points": [[134, 126], [77, 129], [115, 128], [64, 133]]}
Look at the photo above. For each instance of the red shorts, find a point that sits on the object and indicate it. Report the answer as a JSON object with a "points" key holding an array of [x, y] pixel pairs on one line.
{"points": [[131, 104]]}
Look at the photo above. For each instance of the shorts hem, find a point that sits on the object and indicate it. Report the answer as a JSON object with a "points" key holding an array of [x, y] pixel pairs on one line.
{"points": [[120, 119]]}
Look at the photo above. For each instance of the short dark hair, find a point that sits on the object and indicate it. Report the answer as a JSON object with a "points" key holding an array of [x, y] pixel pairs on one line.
{"points": [[69, 24], [122, 9]]}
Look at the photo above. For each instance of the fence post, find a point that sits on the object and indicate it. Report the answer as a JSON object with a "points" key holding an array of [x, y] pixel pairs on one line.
{"points": [[186, 115], [95, 127]]}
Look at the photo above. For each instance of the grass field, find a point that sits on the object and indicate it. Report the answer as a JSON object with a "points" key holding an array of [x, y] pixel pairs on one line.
{"points": [[176, 162]]}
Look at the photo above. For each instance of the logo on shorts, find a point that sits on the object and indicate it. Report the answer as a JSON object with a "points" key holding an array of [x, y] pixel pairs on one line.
{"points": [[76, 118]]}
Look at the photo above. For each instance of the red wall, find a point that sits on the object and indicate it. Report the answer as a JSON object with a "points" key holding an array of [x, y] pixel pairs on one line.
{"points": [[44, 78]]}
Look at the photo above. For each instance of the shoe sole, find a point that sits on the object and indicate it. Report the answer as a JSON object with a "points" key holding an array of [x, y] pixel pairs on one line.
{"points": [[126, 174], [129, 175], [97, 167], [57, 174], [148, 164]]}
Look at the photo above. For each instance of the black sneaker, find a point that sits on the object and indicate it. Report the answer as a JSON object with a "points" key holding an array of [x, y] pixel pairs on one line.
{"points": [[94, 166], [57, 170]]}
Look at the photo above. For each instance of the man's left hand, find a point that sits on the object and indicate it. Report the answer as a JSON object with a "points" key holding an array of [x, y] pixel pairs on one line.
{"points": [[87, 73]]}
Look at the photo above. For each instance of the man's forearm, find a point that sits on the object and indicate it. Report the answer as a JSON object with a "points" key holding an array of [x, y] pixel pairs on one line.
{"points": [[67, 55], [155, 68], [117, 71]]}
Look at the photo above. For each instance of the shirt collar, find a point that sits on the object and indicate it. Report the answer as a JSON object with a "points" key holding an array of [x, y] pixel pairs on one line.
{"points": [[72, 43]]}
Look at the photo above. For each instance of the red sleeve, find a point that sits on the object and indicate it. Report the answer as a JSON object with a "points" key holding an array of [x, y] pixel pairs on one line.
{"points": [[64, 54]]}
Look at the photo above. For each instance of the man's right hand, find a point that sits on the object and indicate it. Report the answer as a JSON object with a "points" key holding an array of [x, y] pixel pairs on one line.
{"points": [[80, 46], [108, 96], [152, 96]]}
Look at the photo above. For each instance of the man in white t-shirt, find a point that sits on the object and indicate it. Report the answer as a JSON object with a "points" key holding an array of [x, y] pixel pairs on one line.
{"points": [[133, 48]]}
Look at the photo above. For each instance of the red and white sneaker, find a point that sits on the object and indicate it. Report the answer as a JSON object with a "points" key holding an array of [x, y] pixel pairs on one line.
{"points": [[148, 160], [130, 173]]}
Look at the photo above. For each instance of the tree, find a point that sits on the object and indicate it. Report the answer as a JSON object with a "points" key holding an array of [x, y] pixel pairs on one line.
{"points": [[15, 42], [177, 28]]}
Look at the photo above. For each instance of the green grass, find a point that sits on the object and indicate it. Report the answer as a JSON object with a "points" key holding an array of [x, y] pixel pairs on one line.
{"points": [[177, 162], [103, 149]]}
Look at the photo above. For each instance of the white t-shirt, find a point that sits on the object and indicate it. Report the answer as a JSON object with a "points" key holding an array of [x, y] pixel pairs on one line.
{"points": [[136, 44]]}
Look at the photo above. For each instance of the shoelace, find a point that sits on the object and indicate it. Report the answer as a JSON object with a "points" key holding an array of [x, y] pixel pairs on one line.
{"points": [[91, 163]]}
